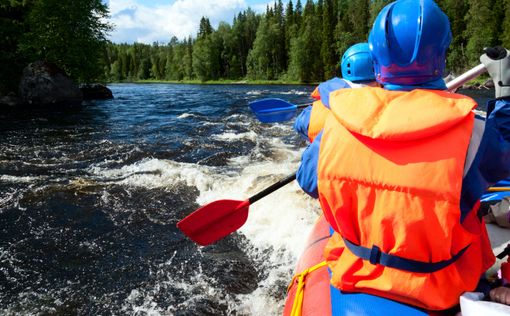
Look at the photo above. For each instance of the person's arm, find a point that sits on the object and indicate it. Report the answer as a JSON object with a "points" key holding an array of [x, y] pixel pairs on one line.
{"points": [[307, 173], [302, 122], [492, 160]]}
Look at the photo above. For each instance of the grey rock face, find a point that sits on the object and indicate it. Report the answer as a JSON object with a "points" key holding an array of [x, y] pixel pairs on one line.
{"points": [[44, 84]]}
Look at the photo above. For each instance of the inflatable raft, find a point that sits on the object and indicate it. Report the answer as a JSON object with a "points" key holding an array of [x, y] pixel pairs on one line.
{"points": [[310, 292]]}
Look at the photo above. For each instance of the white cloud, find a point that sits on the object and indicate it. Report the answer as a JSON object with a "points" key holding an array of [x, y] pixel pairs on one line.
{"points": [[135, 22]]}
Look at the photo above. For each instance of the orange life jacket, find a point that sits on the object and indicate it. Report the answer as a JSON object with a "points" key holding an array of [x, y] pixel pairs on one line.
{"points": [[317, 119], [315, 93], [390, 176]]}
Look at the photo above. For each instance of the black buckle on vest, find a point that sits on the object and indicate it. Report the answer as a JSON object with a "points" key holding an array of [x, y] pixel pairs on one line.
{"points": [[375, 255]]}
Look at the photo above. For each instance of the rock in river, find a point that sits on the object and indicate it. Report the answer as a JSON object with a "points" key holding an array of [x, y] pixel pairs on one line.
{"points": [[44, 84]]}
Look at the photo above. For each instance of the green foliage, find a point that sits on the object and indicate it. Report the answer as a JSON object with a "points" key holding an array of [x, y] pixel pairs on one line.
{"points": [[480, 28], [70, 34], [328, 54], [456, 10], [12, 25], [205, 28], [376, 7], [267, 60], [505, 34], [305, 63], [296, 43]]}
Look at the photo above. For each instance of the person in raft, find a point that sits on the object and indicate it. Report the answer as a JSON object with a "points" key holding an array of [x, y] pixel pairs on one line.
{"points": [[357, 71], [399, 170]]}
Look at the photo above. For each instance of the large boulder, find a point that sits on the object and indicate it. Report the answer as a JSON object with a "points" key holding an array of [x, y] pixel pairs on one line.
{"points": [[96, 91], [44, 84]]}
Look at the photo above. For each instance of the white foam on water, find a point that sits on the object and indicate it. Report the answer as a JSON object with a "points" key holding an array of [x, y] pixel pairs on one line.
{"points": [[295, 92], [156, 173], [231, 136], [255, 92], [277, 226], [15, 179], [185, 115]]}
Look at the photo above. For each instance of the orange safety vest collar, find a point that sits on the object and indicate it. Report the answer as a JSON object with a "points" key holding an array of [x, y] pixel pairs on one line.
{"points": [[317, 119], [390, 177]]}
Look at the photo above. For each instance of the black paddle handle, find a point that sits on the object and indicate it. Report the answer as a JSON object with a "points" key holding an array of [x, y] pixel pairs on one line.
{"points": [[302, 106], [272, 188]]}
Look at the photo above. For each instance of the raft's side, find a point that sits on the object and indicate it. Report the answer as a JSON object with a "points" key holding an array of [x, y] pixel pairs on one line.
{"points": [[320, 298], [316, 300]]}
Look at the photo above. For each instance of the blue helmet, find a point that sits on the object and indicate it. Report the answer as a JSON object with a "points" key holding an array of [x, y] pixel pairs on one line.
{"points": [[357, 63], [408, 42]]}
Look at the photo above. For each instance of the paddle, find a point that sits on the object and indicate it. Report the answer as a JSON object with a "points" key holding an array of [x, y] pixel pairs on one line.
{"points": [[272, 110], [220, 218]]}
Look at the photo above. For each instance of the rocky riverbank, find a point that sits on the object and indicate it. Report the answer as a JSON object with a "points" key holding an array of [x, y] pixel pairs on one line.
{"points": [[487, 85], [44, 85]]}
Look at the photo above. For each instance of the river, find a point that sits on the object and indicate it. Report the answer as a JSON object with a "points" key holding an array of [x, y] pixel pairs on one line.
{"points": [[89, 202]]}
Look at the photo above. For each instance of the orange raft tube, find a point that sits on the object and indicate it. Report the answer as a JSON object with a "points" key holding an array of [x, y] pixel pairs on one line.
{"points": [[310, 293]]}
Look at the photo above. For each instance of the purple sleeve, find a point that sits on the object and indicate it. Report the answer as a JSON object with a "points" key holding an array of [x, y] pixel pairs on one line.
{"points": [[302, 122], [307, 173]]}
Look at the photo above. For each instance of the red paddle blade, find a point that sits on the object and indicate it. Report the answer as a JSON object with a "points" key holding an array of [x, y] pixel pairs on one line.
{"points": [[214, 221]]}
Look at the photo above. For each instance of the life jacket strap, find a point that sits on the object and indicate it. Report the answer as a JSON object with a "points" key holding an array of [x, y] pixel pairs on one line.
{"points": [[375, 256]]}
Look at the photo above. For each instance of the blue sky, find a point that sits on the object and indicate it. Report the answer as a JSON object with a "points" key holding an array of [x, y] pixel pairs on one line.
{"points": [[147, 21]]}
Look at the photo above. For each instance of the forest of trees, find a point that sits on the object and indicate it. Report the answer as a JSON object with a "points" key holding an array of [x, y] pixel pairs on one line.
{"points": [[296, 42], [292, 42], [70, 34]]}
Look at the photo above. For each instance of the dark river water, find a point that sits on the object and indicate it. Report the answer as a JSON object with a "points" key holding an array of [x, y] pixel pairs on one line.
{"points": [[89, 201]]}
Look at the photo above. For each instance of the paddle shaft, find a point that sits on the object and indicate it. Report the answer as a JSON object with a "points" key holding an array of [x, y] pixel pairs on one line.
{"points": [[465, 77], [302, 106], [498, 189], [272, 188]]}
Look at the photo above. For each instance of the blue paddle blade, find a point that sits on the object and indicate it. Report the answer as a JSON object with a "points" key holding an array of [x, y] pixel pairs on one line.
{"points": [[273, 110]]}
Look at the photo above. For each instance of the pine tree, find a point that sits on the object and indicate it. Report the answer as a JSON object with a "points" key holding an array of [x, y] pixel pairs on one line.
{"points": [[358, 12], [344, 30], [328, 54], [456, 10], [505, 36], [298, 13], [305, 64], [480, 28], [205, 28], [290, 27]]}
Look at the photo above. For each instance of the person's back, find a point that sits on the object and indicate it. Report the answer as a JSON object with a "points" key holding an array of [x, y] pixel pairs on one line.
{"points": [[400, 170], [357, 71]]}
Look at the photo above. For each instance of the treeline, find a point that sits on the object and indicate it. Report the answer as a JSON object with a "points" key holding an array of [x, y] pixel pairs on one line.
{"points": [[293, 42], [70, 34], [289, 42]]}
